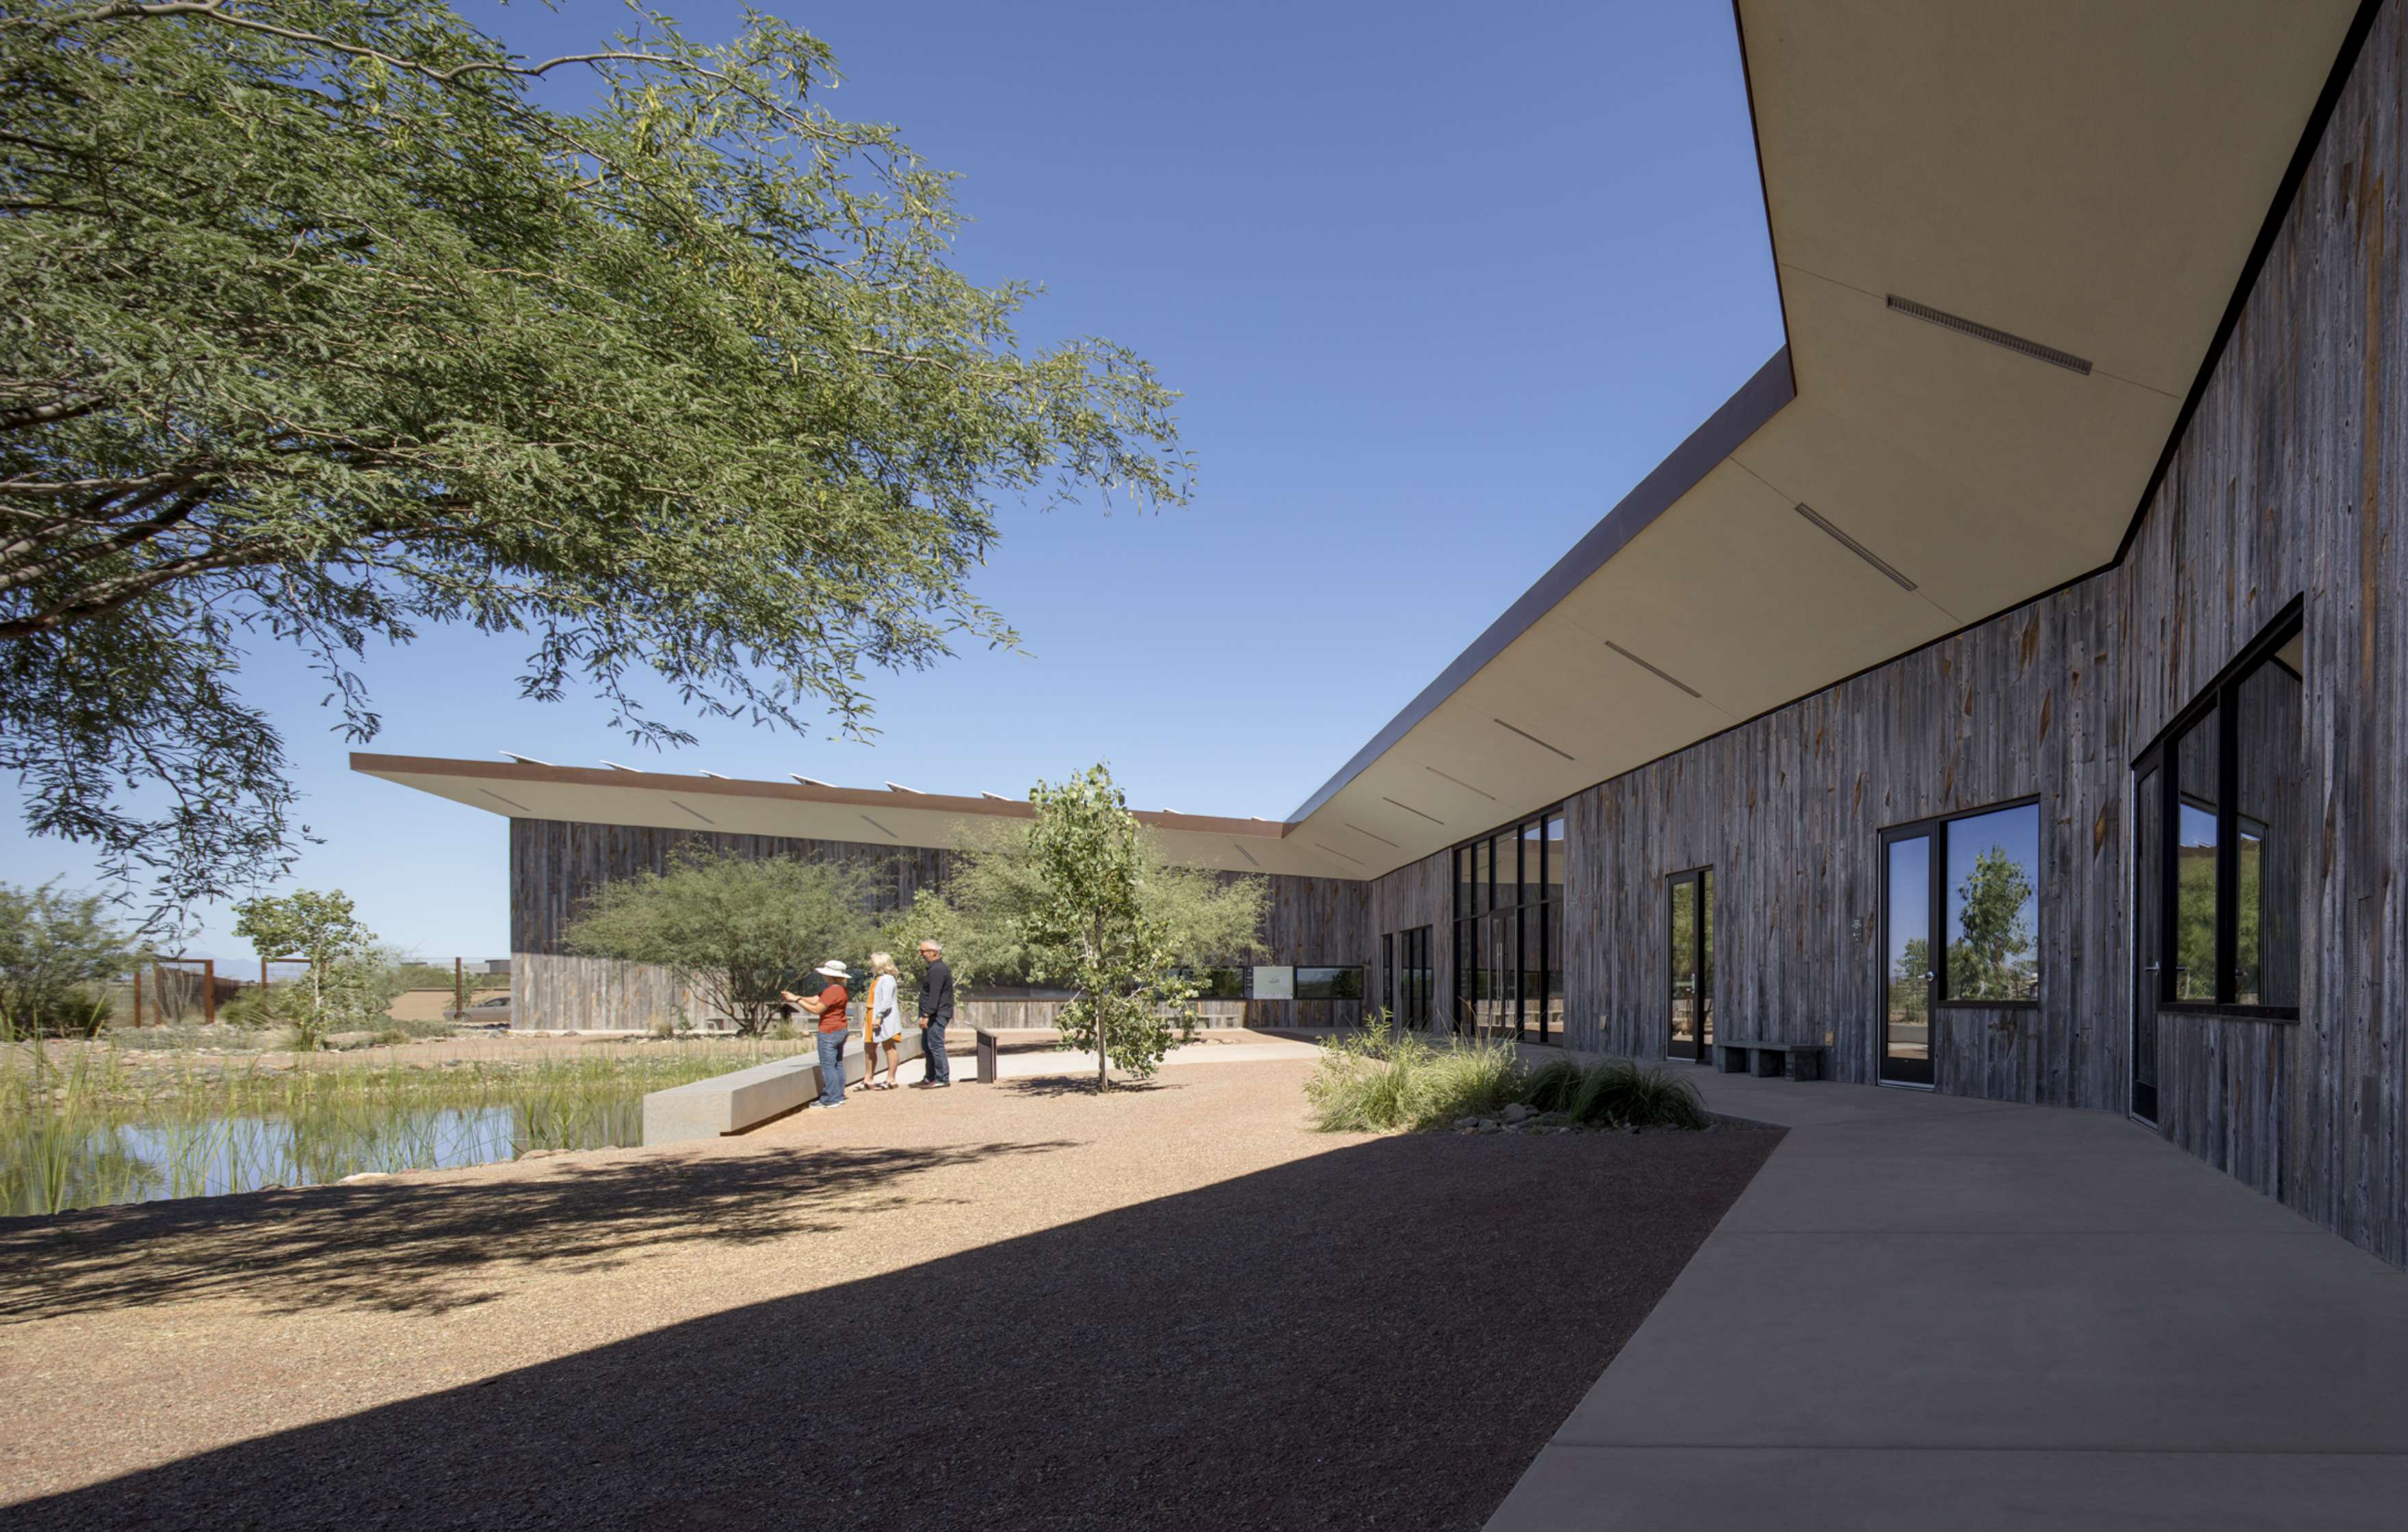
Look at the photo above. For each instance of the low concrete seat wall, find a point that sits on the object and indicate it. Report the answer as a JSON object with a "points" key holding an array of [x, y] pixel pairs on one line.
{"points": [[731, 1103]]}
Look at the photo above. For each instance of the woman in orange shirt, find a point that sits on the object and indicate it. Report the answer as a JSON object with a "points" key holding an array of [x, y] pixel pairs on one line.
{"points": [[828, 1004]]}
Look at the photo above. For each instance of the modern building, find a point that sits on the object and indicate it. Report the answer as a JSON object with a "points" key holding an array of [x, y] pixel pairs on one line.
{"points": [[2007, 688]]}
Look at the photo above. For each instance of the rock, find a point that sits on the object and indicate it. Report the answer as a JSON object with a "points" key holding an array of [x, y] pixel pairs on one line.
{"points": [[1517, 1112], [364, 1176]]}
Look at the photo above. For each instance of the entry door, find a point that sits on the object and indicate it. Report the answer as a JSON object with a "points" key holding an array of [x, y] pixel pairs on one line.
{"points": [[2148, 940], [1910, 978], [1692, 914]]}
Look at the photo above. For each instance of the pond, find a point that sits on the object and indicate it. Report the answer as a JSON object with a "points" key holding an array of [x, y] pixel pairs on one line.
{"points": [[61, 1166], [94, 1133]]}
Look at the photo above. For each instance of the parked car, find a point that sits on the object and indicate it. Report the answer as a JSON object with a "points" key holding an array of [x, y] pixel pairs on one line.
{"points": [[494, 1010]]}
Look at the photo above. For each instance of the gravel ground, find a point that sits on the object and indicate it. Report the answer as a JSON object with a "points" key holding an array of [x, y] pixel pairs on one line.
{"points": [[999, 1307]]}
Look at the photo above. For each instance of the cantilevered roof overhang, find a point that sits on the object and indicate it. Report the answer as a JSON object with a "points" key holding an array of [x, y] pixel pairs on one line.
{"points": [[895, 816], [2009, 239]]}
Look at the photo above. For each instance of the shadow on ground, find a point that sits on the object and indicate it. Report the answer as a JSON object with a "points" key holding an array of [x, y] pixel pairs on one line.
{"points": [[425, 1247], [1378, 1337]]}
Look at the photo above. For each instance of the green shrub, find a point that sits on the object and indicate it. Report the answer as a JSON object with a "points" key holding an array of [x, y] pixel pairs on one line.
{"points": [[1554, 1085], [1618, 1092], [1379, 1080]]}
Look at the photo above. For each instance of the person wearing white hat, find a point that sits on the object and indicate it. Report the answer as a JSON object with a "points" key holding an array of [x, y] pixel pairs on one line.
{"points": [[828, 1004]]}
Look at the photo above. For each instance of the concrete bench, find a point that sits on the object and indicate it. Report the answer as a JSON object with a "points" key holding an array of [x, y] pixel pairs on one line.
{"points": [[746, 1098], [1768, 1060]]}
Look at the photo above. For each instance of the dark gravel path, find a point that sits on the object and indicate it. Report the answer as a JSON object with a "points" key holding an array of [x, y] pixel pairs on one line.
{"points": [[1377, 1337]]}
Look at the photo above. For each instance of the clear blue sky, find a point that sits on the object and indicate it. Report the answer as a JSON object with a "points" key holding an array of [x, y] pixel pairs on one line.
{"points": [[1438, 286]]}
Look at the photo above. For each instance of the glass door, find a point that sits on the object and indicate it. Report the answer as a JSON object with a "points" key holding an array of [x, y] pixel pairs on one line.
{"points": [[1909, 976], [1691, 1030], [2148, 939]]}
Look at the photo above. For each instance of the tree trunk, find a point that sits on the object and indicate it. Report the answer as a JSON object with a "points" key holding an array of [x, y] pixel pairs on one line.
{"points": [[1103, 1054]]}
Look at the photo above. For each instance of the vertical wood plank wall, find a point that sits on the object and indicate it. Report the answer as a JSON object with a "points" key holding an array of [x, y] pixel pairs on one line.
{"points": [[555, 866], [2288, 480]]}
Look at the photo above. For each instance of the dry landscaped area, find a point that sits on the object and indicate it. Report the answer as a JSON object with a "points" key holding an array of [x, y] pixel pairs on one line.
{"points": [[1006, 1306]]}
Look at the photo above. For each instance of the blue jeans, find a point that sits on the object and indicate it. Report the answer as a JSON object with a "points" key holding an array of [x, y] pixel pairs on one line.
{"points": [[831, 1068], [932, 1047]]}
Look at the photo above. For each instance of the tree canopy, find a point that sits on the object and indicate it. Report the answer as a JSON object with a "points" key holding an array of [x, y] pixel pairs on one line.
{"points": [[733, 930], [348, 977], [319, 329], [58, 953], [1081, 897]]}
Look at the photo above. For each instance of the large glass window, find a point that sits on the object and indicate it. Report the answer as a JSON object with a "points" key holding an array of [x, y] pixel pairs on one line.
{"points": [[2269, 825], [1409, 978], [1994, 905], [2200, 781], [1332, 983], [1964, 889], [2228, 777], [1509, 932]]}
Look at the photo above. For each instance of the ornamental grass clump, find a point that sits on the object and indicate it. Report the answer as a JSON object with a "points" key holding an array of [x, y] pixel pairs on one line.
{"points": [[1616, 1093], [1381, 1081]]}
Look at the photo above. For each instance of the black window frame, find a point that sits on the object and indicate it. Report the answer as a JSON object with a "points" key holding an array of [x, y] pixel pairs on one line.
{"points": [[2222, 698], [1406, 955], [1477, 905], [1936, 828], [1362, 984]]}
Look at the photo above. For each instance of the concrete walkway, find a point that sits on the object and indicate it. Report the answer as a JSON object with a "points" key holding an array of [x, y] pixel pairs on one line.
{"points": [[1929, 1311]]}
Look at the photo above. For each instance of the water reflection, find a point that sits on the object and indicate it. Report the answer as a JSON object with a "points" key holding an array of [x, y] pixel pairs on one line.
{"points": [[54, 1165]]}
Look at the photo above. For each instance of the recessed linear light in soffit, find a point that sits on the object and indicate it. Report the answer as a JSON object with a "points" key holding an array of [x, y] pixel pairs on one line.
{"points": [[1381, 839], [1458, 781], [1534, 738], [1410, 809], [1859, 549], [1657, 671], [1979, 331]]}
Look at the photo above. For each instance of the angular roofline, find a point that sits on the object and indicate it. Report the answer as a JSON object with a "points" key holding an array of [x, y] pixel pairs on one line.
{"points": [[1740, 417]]}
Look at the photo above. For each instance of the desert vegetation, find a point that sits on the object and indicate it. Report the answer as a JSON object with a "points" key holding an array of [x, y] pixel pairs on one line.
{"points": [[84, 1125], [1381, 1080]]}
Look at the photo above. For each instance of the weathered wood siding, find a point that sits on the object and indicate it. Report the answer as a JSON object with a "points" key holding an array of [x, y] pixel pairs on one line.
{"points": [[557, 866], [2287, 481]]}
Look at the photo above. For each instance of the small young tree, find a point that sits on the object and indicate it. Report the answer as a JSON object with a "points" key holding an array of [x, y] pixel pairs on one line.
{"points": [[982, 917], [56, 952], [732, 930], [345, 982], [1101, 913]]}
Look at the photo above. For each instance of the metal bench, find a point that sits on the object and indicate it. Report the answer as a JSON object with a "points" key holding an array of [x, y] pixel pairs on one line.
{"points": [[1768, 1060]]}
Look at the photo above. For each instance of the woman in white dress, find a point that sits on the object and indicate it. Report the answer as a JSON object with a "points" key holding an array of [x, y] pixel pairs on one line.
{"points": [[885, 1023]]}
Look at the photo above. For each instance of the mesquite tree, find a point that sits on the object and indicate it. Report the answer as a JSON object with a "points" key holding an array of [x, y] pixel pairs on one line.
{"points": [[345, 965], [732, 930], [316, 328]]}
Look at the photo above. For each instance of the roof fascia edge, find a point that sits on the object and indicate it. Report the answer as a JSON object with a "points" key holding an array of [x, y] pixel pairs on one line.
{"points": [[1740, 417]]}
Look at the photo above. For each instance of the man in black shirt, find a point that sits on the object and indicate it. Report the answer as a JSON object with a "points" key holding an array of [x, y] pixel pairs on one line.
{"points": [[936, 1009]]}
